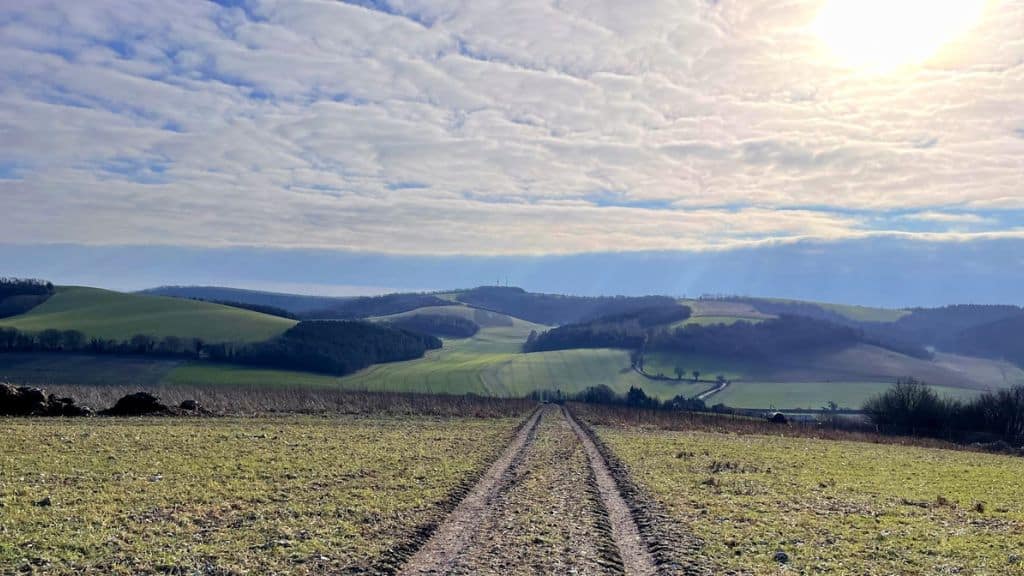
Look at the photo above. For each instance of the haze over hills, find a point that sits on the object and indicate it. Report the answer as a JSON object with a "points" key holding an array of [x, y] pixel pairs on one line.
{"points": [[884, 272]]}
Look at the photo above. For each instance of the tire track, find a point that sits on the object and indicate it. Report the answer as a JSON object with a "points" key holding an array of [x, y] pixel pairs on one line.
{"points": [[673, 548], [440, 552], [635, 557]]}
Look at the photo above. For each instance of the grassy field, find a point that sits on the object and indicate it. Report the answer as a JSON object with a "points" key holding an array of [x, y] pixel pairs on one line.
{"points": [[84, 369], [709, 312], [709, 367], [296, 495], [813, 395], [483, 318], [455, 372], [459, 369], [852, 312], [492, 363], [115, 315], [833, 507]]}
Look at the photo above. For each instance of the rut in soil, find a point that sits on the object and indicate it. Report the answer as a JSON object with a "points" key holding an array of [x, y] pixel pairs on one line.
{"points": [[548, 505]]}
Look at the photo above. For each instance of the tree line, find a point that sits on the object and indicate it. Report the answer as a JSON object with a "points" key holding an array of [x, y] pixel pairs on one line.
{"points": [[369, 306], [555, 309], [24, 287], [623, 330], [50, 340], [332, 347], [784, 336], [648, 331], [261, 308], [19, 295], [440, 325], [635, 397], [914, 408]]}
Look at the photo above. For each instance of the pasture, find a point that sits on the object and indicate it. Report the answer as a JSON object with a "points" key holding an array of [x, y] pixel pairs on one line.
{"points": [[709, 312], [812, 395], [119, 316], [832, 507]]}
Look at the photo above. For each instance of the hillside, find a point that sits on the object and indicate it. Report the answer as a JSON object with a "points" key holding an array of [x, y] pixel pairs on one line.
{"points": [[999, 339], [824, 310], [119, 316], [809, 362], [294, 303], [708, 312], [554, 309]]}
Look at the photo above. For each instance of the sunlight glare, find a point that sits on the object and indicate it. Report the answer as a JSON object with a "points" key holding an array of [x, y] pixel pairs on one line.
{"points": [[887, 34]]}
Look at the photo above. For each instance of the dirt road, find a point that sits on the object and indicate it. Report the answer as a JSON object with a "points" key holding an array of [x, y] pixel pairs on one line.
{"points": [[549, 505]]}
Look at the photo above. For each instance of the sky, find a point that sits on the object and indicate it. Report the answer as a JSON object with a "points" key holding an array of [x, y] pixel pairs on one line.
{"points": [[511, 131]]}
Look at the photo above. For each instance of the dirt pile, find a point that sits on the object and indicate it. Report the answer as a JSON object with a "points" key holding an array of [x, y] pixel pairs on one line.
{"points": [[138, 404], [28, 401], [146, 404]]}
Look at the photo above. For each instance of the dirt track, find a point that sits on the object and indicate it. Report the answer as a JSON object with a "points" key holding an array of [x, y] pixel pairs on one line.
{"points": [[549, 505]]}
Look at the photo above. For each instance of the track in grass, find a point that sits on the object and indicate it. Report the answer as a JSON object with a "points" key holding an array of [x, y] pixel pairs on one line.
{"points": [[443, 548], [549, 505], [636, 558]]}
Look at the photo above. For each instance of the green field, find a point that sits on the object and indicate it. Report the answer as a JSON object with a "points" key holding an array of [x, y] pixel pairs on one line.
{"points": [[834, 507], [850, 311], [119, 316], [493, 365], [295, 495], [711, 312], [709, 367], [490, 363], [84, 369], [812, 395]]}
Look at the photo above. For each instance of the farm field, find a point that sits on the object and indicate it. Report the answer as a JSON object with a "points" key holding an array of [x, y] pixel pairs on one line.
{"points": [[119, 316], [812, 395], [709, 367], [489, 363], [84, 369], [833, 507], [295, 495], [851, 311], [708, 312]]}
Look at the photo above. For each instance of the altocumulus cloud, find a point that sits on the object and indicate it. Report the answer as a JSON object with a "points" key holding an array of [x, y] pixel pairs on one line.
{"points": [[491, 127]]}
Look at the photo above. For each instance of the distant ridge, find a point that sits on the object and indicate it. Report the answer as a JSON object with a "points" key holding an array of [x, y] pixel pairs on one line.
{"points": [[294, 303]]}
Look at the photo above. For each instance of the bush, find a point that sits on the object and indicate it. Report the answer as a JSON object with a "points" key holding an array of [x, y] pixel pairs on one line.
{"points": [[909, 407]]}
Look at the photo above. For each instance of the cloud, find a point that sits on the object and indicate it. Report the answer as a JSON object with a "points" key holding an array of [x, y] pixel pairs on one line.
{"points": [[950, 218], [489, 127]]}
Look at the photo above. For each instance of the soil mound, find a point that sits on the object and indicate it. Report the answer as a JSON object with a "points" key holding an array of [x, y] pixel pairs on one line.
{"points": [[29, 401], [137, 404]]}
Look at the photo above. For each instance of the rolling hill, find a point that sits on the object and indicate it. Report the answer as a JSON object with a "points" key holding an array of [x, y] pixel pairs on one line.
{"points": [[294, 303], [118, 316], [492, 362]]}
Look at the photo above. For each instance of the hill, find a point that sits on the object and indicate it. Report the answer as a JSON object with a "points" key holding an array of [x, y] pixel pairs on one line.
{"points": [[1001, 339], [708, 312], [119, 316], [808, 362], [823, 310], [554, 309], [295, 303]]}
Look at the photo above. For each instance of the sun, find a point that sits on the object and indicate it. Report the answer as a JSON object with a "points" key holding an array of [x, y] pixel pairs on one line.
{"points": [[888, 34]]}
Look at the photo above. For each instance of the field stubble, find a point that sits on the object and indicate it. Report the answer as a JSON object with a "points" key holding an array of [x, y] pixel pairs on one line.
{"points": [[296, 494], [830, 506]]}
